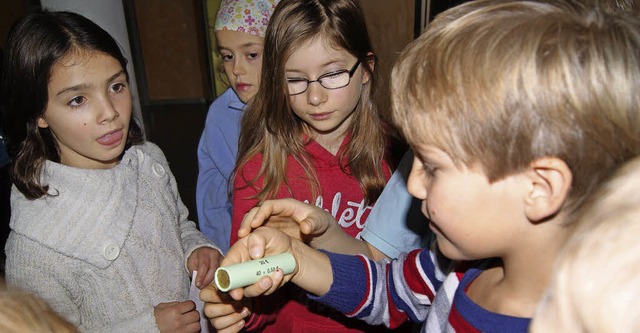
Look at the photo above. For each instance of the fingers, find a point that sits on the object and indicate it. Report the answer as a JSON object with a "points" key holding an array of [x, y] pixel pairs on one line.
{"points": [[236, 327], [210, 294], [310, 227], [248, 248], [185, 306], [267, 285], [227, 316], [177, 316], [231, 319], [205, 260], [262, 287], [206, 268], [246, 226], [208, 277]]}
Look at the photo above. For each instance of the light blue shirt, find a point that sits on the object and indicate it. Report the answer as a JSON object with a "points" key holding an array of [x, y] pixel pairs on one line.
{"points": [[217, 153], [396, 224]]}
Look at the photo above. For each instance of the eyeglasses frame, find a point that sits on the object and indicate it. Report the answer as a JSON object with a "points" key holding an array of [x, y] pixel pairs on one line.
{"points": [[319, 79]]}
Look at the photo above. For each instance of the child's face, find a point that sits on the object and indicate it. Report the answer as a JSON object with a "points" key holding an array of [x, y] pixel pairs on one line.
{"points": [[326, 111], [89, 109], [242, 60], [471, 217]]}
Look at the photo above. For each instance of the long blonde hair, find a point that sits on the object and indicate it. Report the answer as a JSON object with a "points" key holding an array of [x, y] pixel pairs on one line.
{"points": [[269, 127]]}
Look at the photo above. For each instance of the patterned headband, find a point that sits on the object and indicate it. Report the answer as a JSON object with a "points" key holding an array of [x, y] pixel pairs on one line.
{"points": [[248, 16]]}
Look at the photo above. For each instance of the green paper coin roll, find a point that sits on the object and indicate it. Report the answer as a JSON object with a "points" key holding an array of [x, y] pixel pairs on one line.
{"points": [[248, 273]]}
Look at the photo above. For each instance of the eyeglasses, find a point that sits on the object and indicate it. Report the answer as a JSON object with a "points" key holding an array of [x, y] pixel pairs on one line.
{"points": [[333, 80]]}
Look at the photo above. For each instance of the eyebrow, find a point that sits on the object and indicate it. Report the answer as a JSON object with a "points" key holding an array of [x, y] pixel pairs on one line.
{"points": [[330, 62], [245, 45], [84, 86]]}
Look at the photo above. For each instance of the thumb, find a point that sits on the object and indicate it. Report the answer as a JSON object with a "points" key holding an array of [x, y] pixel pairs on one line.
{"points": [[311, 226]]}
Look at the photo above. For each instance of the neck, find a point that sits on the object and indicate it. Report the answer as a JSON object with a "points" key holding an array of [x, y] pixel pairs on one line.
{"points": [[331, 141], [516, 284]]}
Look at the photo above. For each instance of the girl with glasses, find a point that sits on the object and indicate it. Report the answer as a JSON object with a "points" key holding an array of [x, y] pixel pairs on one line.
{"points": [[312, 133]]}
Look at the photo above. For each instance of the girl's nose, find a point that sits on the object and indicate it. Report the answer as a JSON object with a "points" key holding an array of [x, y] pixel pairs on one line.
{"points": [[316, 94], [238, 67], [109, 113]]}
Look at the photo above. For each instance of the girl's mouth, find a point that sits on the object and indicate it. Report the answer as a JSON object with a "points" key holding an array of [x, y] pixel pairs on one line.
{"points": [[321, 116], [111, 139]]}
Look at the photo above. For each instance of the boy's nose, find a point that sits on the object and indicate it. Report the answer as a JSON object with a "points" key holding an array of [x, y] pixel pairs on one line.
{"points": [[416, 184]]}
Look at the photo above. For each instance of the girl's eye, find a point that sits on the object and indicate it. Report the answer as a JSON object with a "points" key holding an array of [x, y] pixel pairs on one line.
{"points": [[333, 75], [227, 57], [118, 87], [76, 101], [253, 55], [295, 80]]}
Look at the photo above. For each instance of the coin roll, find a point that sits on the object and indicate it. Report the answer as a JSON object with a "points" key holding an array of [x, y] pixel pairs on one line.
{"points": [[249, 272]]}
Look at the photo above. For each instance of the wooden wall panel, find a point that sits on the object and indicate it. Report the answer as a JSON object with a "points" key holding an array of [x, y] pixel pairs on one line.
{"points": [[174, 50], [391, 28]]}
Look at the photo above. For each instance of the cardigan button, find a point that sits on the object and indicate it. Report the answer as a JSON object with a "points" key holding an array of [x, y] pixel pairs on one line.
{"points": [[158, 170], [140, 155], [111, 251]]}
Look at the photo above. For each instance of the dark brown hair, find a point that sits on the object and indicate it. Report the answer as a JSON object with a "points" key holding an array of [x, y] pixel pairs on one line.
{"points": [[35, 43]]}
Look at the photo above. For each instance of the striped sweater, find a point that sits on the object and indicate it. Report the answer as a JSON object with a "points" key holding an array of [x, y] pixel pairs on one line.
{"points": [[412, 287]]}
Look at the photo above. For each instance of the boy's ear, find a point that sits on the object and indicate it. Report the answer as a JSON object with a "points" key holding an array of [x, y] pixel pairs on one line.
{"points": [[550, 180], [41, 122], [371, 62]]}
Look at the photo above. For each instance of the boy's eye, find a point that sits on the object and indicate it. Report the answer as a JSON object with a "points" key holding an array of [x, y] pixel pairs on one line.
{"points": [[429, 169], [76, 101]]}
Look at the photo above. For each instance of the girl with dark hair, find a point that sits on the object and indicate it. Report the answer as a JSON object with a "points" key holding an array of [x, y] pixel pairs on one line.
{"points": [[98, 228]]}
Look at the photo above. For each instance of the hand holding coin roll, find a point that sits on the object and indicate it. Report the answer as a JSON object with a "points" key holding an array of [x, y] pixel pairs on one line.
{"points": [[248, 273]]}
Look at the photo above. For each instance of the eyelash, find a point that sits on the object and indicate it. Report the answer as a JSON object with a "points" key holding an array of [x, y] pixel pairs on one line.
{"points": [[429, 169], [325, 75], [118, 87], [77, 101], [250, 56]]}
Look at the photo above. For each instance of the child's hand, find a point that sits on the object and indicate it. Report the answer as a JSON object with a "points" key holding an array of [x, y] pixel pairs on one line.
{"points": [[297, 219], [177, 317], [205, 260], [224, 313], [264, 241]]}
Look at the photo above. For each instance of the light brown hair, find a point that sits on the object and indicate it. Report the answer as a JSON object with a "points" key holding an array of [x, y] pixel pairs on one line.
{"points": [[502, 83], [23, 312], [269, 126]]}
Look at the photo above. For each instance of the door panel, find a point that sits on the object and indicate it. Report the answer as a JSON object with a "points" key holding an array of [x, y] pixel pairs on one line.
{"points": [[170, 49]]}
